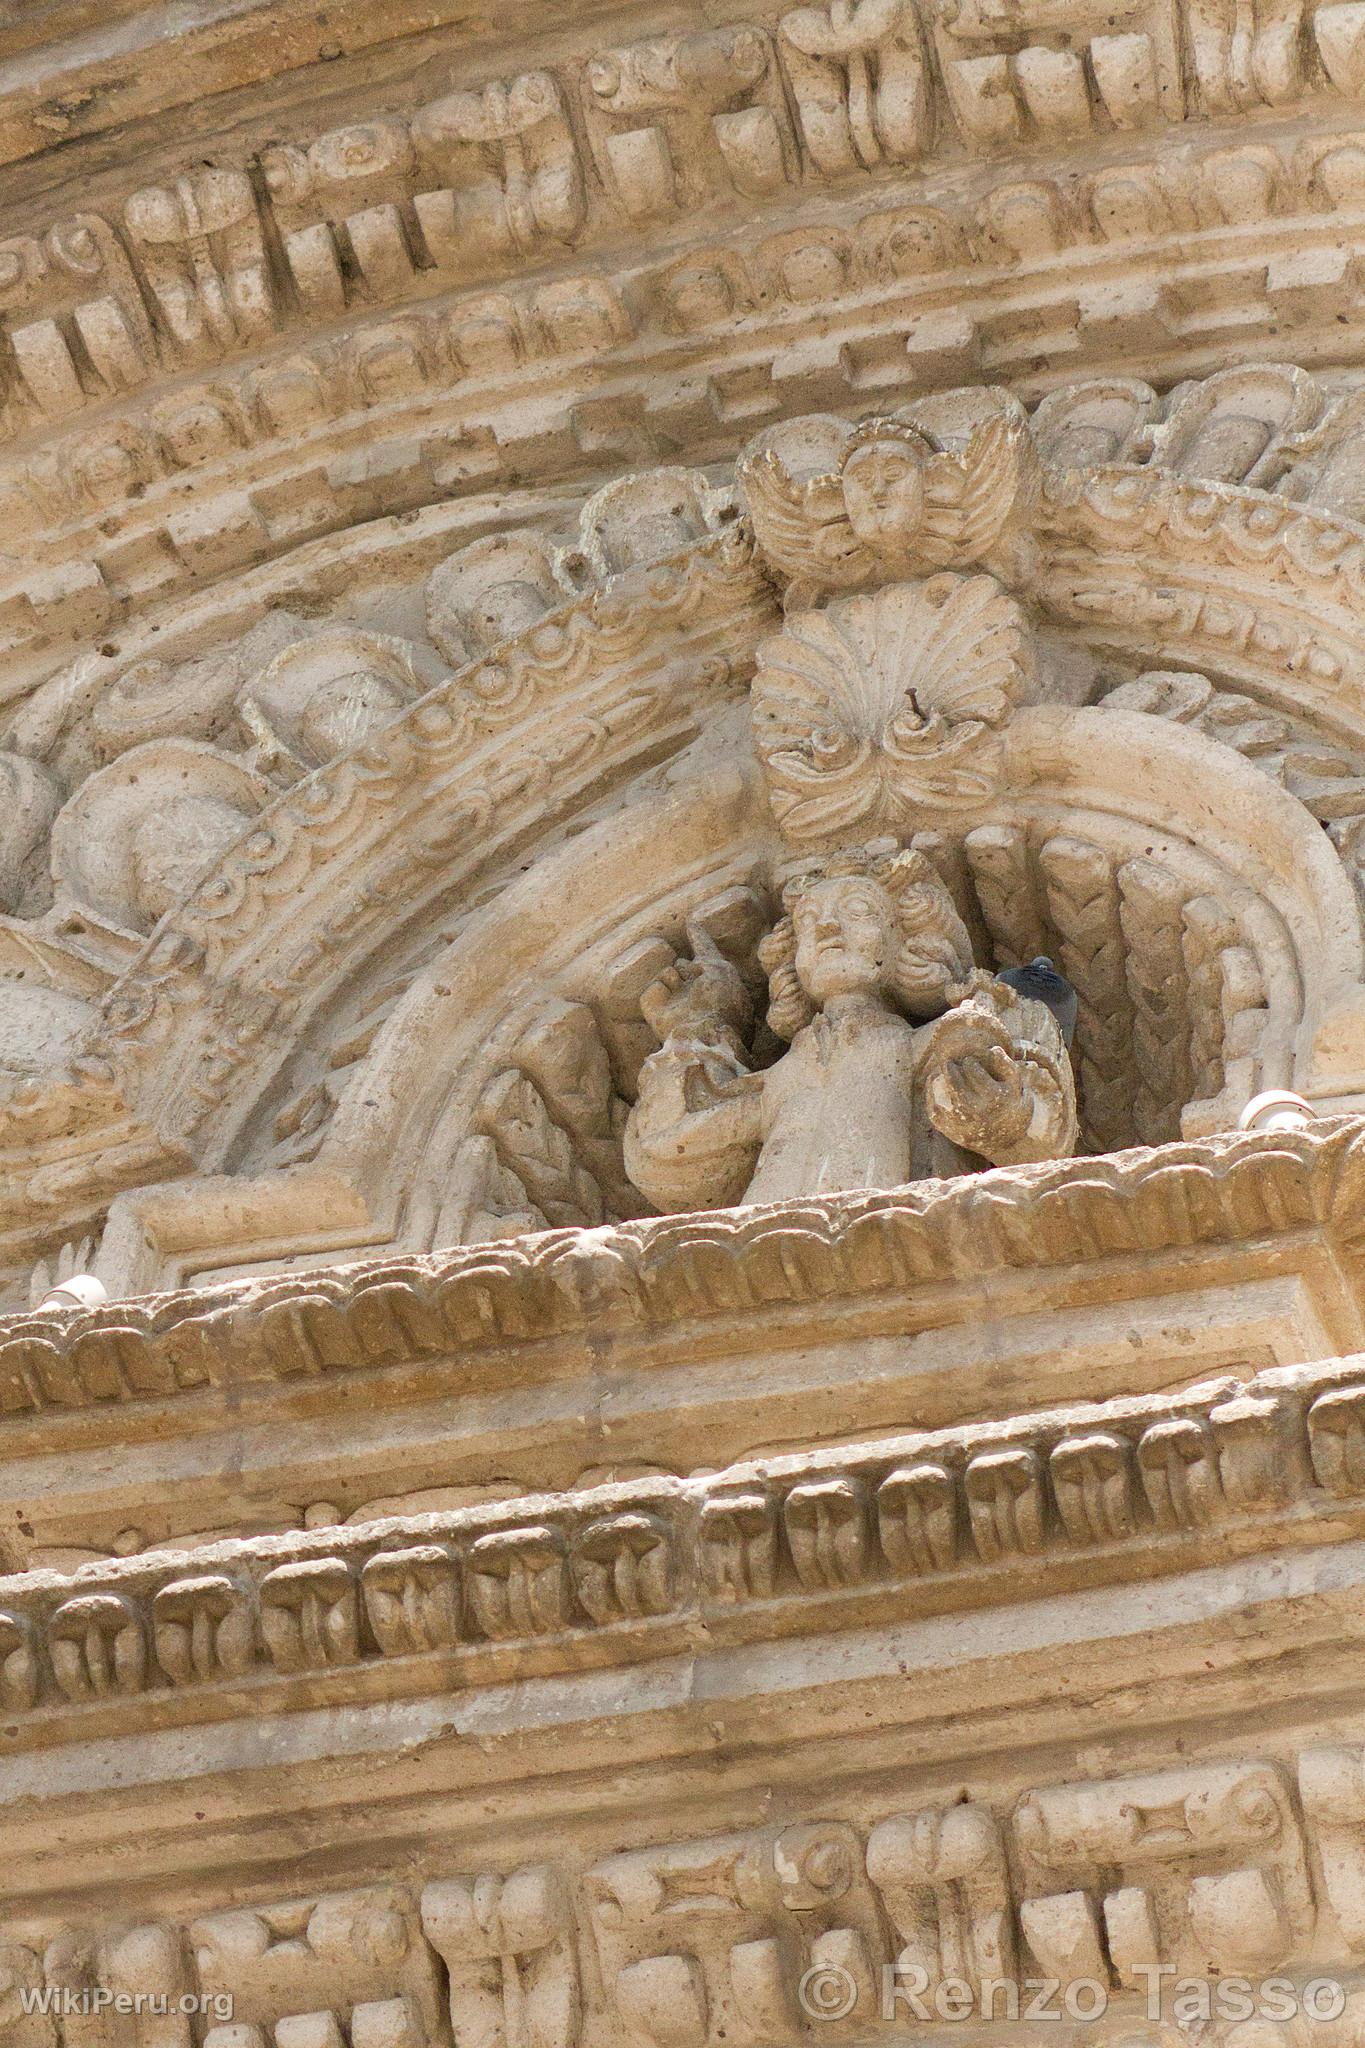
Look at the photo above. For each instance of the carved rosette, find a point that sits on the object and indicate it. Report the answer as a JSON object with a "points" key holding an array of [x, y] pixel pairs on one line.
{"points": [[880, 708]]}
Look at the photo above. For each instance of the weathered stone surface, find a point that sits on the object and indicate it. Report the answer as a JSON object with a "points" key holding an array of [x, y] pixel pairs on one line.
{"points": [[681, 747]]}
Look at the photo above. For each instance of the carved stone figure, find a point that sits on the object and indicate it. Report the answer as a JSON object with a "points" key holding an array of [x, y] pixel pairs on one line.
{"points": [[587, 598], [836, 507], [901, 1063]]}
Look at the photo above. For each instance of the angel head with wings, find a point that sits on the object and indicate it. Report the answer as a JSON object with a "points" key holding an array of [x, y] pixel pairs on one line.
{"points": [[838, 507]]}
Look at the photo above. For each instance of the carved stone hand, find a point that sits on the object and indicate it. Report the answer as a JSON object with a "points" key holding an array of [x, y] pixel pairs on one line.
{"points": [[997, 1078], [984, 1100], [692, 1138]]}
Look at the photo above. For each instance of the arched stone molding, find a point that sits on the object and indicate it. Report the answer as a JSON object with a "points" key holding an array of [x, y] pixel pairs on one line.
{"points": [[403, 1162], [586, 928], [1161, 797], [1222, 967], [1225, 579], [345, 866], [1110, 448], [585, 698], [1078, 783]]}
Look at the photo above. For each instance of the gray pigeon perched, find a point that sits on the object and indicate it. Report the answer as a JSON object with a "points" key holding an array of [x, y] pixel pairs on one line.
{"points": [[1041, 980]]}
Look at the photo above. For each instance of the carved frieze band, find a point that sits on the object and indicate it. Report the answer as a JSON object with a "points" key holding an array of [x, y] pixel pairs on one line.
{"points": [[404, 411], [479, 180], [1243, 1864], [1127, 1486]]}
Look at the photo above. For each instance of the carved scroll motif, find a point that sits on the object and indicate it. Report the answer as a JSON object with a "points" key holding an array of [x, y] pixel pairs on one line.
{"points": [[701, 1940], [1210, 1867], [509, 1946]]}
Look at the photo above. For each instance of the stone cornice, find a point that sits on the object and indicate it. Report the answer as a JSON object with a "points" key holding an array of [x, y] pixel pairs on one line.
{"points": [[824, 1540], [730, 1268], [92, 65], [298, 241], [137, 505]]}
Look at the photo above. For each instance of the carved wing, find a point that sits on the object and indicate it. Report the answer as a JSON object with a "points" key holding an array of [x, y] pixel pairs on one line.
{"points": [[971, 499], [1000, 481], [799, 520]]}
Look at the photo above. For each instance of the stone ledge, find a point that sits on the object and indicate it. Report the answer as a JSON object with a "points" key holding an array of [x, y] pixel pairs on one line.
{"points": [[738, 1264], [827, 1540]]}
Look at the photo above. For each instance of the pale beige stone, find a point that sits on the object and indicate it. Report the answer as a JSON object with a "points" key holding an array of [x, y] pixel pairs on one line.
{"points": [[600, 1422]]}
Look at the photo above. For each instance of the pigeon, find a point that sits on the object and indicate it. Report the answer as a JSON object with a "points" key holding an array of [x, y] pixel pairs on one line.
{"points": [[1044, 984]]}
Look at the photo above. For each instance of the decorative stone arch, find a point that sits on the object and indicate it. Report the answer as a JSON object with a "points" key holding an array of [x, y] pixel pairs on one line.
{"points": [[1206, 972], [1168, 572], [200, 1033], [1200, 910]]}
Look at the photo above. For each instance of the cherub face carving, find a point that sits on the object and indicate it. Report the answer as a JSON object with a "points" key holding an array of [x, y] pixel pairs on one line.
{"points": [[883, 479], [846, 937], [836, 507]]}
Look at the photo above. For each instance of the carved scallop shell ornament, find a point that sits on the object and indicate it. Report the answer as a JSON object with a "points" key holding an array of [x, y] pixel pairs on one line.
{"points": [[878, 708]]}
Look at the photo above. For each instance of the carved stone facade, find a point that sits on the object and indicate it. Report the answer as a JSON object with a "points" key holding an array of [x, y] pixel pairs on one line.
{"points": [[682, 1024]]}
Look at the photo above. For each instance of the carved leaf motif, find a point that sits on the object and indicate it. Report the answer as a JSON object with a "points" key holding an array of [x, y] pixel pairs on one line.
{"points": [[882, 705]]}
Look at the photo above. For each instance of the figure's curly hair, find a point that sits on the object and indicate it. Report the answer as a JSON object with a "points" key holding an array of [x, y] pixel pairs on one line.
{"points": [[886, 427], [934, 954]]}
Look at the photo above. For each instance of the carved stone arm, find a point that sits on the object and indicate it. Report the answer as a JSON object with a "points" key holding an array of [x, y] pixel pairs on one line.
{"points": [[997, 1078], [692, 1138]]}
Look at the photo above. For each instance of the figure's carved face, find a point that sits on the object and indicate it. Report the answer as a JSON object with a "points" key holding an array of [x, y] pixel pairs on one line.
{"points": [[884, 494], [846, 938]]}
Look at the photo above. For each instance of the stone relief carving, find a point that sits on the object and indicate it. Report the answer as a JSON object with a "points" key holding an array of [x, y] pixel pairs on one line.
{"points": [[355, 1954], [510, 1949], [740, 1910], [323, 696], [869, 714], [834, 506], [861, 84], [717, 110], [1158, 1836], [201, 251], [482, 178], [1201, 1867], [878, 711], [490, 592], [516, 180], [645, 1274], [1328, 780], [150, 1958], [122, 461], [30, 797], [139, 833], [316, 665], [82, 603], [869, 939]]}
